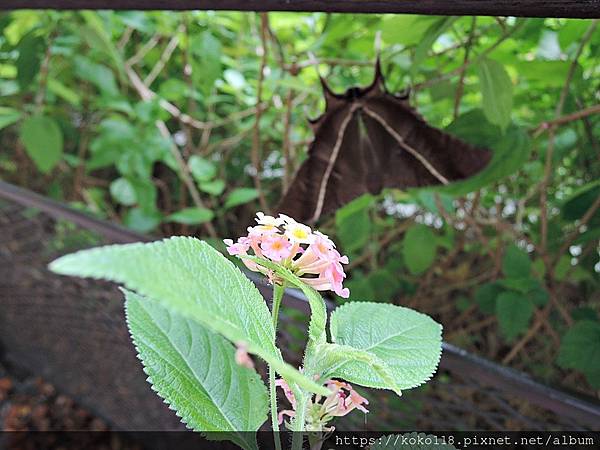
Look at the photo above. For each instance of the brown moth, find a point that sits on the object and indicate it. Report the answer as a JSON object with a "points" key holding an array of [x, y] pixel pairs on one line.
{"points": [[369, 139]]}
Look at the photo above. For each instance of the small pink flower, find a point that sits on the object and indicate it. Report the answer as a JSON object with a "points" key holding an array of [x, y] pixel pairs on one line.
{"points": [[343, 399], [238, 248], [285, 412], [276, 247], [287, 391]]}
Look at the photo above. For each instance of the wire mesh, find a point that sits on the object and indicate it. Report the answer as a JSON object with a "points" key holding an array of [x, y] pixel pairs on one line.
{"points": [[73, 333]]}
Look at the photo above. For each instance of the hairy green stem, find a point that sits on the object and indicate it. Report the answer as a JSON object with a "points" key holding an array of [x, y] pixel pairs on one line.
{"points": [[277, 296], [298, 422]]}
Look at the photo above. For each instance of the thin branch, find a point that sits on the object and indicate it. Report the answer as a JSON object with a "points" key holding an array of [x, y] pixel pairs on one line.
{"points": [[164, 58], [44, 71], [184, 170], [148, 94], [227, 142], [295, 67], [287, 125], [185, 173], [545, 126], [125, 37], [143, 51], [238, 115], [531, 333], [256, 153]]}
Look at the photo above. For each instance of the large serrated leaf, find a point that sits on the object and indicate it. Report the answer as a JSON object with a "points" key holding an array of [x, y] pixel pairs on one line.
{"points": [[194, 280], [328, 358], [408, 342], [187, 365]]}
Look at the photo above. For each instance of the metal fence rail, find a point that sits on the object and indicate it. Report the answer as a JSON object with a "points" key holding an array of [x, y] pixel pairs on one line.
{"points": [[72, 332], [584, 9]]}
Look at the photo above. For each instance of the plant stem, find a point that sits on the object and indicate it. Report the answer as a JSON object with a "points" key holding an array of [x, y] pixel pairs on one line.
{"points": [[298, 422], [277, 295]]}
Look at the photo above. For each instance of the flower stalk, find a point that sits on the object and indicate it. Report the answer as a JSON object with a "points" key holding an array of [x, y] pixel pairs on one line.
{"points": [[278, 291]]}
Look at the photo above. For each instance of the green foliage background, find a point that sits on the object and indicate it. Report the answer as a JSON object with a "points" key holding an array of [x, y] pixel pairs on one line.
{"points": [[187, 123]]}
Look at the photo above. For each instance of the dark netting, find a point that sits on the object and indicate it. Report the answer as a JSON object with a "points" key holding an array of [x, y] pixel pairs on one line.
{"points": [[72, 332]]}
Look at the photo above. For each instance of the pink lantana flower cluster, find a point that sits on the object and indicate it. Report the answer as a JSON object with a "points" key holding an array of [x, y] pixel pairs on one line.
{"points": [[309, 254], [320, 410]]}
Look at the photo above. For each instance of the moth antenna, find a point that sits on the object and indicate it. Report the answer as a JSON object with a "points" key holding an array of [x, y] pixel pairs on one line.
{"points": [[377, 44], [378, 81], [330, 96]]}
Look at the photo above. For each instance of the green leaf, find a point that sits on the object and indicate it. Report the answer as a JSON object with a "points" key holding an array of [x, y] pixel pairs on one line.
{"points": [[97, 74], [496, 91], [431, 35], [407, 342], [406, 29], [428, 200], [173, 90], [195, 281], [580, 350], [579, 202], [514, 311], [207, 49], [123, 192], [191, 216], [419, 248], [201, 168], [185, 362], [8, 116], [412, 441], [353, 223], [62, 91], [97, 35], [539, 296], [240, 196], [562, 267], [43, 141], [145, 193], [516, 262], [334, 360], [215, 187], [584, 313], [511, 151], [140, 220], [28, 62], [547, 73], [522, 284], [486, 296]]}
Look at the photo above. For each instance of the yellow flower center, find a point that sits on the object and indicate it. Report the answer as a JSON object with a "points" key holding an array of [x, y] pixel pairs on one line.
{"points": [[300, 233]]}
